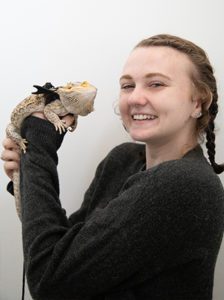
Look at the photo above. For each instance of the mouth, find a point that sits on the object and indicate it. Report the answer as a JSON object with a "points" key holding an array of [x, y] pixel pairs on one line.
{"points": [[143, 117]]}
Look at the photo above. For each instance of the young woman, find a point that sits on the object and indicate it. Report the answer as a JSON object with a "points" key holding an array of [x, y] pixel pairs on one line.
{"points": [[151, 223]]}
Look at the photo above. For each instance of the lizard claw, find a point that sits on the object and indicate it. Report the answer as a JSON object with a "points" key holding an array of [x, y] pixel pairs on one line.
{"points": [[59, 126], [22, 145]]}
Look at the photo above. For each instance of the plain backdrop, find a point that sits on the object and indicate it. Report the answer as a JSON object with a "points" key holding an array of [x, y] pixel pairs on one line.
{"points": [[69, 40]]}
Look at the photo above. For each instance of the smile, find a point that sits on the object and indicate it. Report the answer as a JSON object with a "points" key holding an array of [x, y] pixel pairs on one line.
{"points": [[143, 117]]}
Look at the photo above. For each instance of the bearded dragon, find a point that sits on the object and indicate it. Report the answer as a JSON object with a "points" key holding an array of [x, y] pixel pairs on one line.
{"points": [[55, 102]]}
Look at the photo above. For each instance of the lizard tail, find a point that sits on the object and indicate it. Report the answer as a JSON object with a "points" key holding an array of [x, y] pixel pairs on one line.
{"points": [[16, 186]]}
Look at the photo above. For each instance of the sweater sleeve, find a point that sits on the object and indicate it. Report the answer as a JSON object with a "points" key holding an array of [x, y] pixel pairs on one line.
{"points": [[155, 222]]}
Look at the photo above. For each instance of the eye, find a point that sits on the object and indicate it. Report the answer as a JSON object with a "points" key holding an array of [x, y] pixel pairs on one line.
{"points": [[127, 86], [156, 84]]}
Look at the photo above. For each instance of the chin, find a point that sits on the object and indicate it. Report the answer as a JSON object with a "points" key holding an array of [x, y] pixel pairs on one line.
{"points": [[141, 136]]}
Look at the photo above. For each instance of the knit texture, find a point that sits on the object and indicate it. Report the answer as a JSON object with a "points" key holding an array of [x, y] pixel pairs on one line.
{"points": [[139, 234]]}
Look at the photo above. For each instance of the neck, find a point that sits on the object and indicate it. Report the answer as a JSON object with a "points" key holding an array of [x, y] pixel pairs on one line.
{"points": [[156, 153]]}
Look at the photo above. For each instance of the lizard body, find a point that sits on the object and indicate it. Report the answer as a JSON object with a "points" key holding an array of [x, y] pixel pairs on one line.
{"points": [[73, 98]]}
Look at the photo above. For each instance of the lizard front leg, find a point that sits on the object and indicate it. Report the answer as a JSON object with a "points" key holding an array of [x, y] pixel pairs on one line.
{"points": [[52, 111]]}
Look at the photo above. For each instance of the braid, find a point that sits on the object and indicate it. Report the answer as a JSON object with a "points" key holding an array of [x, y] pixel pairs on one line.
{"points": [[210, 135]]}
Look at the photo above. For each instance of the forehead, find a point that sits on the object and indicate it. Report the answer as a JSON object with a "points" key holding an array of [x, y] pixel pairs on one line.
{"points": [[158, 59]]}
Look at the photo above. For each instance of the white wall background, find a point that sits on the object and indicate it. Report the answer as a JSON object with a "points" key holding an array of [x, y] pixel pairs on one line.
{"points": [[72, 40]]}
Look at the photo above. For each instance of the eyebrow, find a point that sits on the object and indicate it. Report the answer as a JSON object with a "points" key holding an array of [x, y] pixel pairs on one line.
{"points": [[148, 75]]}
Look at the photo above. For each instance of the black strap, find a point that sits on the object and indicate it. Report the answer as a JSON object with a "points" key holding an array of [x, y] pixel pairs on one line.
{"points": [[23, 282]]}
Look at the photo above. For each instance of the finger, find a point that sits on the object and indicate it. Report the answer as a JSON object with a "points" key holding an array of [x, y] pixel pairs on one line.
{"points": [[68, 120], [10, 167], [10, 155], [9, 144]]}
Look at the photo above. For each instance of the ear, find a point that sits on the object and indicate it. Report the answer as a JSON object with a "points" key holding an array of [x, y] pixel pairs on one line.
{"points": [[197, 107], [204, 95], [202, 102]]}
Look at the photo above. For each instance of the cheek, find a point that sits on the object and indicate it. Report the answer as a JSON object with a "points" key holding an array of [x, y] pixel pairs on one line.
{"points": [[122, 106], [177, 115], [178, 105], [123, 111]]}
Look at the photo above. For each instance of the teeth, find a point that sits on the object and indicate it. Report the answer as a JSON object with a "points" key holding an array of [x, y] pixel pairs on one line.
{"points": [[143, 117]]}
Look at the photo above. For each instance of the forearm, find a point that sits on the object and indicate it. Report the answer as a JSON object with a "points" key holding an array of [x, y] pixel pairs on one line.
{"points": [[39, 179]]}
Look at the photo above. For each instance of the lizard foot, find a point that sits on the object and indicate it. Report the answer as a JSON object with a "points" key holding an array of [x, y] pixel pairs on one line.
{"points": [[22, 145], [59, 126]]}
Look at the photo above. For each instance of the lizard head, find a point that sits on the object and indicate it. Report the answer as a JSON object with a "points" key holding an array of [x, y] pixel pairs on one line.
{"points": [[78, 98]]}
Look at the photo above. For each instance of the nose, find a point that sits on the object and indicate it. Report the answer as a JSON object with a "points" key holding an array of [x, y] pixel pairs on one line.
{"points": [[137, 97]]}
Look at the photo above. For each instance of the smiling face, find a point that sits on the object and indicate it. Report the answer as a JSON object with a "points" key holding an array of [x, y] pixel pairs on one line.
{"points": [[157, 98]]}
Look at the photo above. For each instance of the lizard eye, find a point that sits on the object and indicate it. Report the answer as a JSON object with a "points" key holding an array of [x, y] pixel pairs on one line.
{"points": [[69, 86], [84, 84]]}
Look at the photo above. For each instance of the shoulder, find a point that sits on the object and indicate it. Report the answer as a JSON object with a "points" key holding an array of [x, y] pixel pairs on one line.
{"points": [[190, 178], [193, 167]]}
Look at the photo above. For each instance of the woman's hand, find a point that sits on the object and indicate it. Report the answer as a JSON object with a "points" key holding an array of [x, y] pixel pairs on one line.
{"points": [[11, 156], [11, 152]]}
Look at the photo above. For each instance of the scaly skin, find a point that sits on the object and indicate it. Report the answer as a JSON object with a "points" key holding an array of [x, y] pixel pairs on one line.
{"points": [[73, 98]]}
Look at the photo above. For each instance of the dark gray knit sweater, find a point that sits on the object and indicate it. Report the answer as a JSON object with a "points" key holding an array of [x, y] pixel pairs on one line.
{"points": [[139, 234]]}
